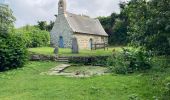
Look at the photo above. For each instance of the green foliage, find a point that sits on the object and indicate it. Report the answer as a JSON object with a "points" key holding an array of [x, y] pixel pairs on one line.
{"points": [[159, 44], [34, 37], [149, 24], [42, 25], [166, 94], [39, 38], [129, 61], [6, 18], [13, 53], [133, 97], [120, 32], [116, 26], [141, 23]]}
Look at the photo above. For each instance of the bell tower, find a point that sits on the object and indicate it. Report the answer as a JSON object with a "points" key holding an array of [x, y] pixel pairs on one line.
{"points": [[61, 7]]}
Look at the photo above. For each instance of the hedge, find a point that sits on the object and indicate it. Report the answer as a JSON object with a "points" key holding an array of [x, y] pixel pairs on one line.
{"points": [[13, 53]]}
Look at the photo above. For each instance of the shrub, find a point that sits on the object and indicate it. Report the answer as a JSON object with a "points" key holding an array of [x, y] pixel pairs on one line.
{"points": [[39, 38], [13, 53], [159, 44], [34, 37], [166, 93], [129, 61]]}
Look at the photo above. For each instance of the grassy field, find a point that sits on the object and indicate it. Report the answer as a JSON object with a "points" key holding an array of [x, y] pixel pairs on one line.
{"points": [[67, 52], [27, 84]]}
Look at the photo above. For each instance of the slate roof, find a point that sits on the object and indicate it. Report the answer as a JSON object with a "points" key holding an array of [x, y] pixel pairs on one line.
{"points": [[85, 25]]}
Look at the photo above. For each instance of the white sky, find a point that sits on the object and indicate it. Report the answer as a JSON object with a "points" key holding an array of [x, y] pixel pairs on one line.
{"points": [[31, 11]]}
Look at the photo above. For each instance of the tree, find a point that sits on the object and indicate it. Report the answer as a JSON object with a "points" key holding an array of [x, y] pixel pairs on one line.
{"points": [[119, 36], [13, 53], [158, 26], [33, 36], [149, 24], [116, 27], [42, 25], [6, 19]]}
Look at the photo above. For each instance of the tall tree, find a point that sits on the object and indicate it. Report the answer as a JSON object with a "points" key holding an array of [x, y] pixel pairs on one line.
{"points": [[116, 26], [149, 24], [42, 25], [13, 53], [6, 18]]}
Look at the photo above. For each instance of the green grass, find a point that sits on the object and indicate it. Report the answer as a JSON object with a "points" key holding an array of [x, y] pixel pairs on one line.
{"points": [[27, 84], [67, 52]]}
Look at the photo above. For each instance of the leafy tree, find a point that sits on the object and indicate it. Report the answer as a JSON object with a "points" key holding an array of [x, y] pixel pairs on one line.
{"points": [[149, 24], [6, 19], [42, 25], [158, 26], [33, 36], [119, 33], [13, 53], [116, 26], [107, 25]]}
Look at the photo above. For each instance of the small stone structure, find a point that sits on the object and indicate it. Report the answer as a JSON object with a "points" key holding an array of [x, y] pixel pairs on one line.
{"points": [[68, 25], [56, 50], [75, 48]]}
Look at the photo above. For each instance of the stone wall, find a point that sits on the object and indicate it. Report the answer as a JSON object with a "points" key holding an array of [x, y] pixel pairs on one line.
{"points": [[84, 40], [40, 57], [61, 28]]}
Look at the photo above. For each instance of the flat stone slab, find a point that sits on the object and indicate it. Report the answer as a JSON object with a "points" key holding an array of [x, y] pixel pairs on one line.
{"points": [[64, 70], [60, 68]]}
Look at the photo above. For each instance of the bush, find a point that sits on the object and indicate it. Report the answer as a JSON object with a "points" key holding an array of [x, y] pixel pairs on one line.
{"points": [[13, 53], [129, 61], [159, 44], [34, 37], [166, 93], [39, 38]]}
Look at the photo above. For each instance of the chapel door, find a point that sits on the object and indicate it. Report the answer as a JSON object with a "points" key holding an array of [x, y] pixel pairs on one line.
{"points": [[90, 44], [61, 42]]}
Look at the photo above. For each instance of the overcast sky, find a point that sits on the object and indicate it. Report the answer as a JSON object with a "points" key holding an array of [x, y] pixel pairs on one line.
{"points": [[31, 11]]}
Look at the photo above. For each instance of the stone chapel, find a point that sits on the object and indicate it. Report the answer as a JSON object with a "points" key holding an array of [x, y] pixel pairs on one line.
{"points": [[67, 26]]}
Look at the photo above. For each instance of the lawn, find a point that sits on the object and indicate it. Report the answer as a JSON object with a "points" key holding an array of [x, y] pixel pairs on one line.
{"points": [[67, 52], [27, 84]]}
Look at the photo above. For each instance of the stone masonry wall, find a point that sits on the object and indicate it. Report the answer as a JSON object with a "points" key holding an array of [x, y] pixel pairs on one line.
{"points": [[84, 40], [61, 28]]}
